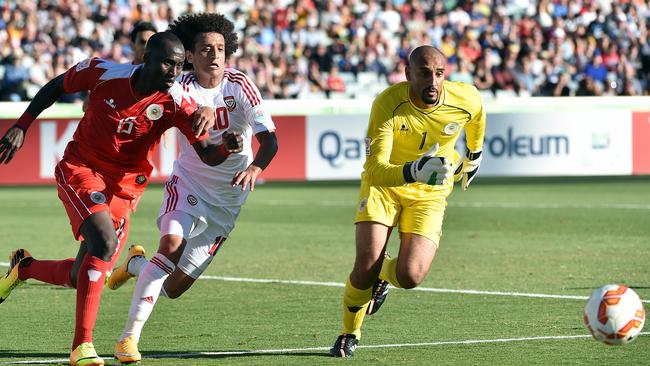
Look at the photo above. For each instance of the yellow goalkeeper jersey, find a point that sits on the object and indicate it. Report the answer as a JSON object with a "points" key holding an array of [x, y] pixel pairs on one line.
{"points": [[400, 132]]}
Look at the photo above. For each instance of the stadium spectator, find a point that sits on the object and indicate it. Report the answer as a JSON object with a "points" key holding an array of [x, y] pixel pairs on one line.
{"points": [[193, 228], [405, 184], [358, 36], [140, 34], [334, 81], [14, 82], [105, 170]]}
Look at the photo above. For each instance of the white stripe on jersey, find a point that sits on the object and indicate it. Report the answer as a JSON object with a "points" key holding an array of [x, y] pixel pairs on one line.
{"points": [[115, 70], [238, 107]]}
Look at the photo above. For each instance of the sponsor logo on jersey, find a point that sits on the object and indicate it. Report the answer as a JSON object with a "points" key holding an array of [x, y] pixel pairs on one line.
{"points": [[140, 179], [451, 128], [192, 200], [154, 112], [230, 102], [110, 102], [82, 65], [98, 197]]}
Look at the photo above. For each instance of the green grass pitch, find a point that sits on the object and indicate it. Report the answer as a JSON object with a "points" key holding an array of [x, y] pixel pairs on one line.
{"points": [[563, 236]]}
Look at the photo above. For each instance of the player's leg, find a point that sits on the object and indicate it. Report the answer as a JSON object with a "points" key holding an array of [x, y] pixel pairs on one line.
{"points": [[420, 228], [174, 226], [416, 253], [103, 232], [202, 247], [377, 213], [371, 239], [99, 233], [74, 271]]}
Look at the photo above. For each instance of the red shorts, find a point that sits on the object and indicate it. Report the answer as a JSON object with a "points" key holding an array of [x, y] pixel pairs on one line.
{"points": [[84, 192]]}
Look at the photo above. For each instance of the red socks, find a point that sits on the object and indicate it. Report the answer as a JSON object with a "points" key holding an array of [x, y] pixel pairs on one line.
{"points": [[90, 283], [53, 272]]}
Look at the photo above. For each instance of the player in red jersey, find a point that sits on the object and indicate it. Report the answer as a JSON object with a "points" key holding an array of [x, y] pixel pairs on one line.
{"points": [[106, 166]]}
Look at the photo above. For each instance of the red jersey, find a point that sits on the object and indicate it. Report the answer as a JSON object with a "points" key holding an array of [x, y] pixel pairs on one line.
{"points": [[120, 127]]}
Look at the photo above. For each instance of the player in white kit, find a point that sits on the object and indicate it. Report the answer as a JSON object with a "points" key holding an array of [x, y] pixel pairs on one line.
{"points": [[201, 202]]}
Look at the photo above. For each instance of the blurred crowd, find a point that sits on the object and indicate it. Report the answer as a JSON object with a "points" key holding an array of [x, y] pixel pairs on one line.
{"points": [[354, 48]]}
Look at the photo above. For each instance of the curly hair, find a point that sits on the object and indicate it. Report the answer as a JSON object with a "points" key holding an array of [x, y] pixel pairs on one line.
{"points": [[188, 26]]}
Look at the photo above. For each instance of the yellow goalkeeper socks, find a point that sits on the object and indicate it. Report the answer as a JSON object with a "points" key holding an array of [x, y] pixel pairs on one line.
{"points": [[355, 303], [389, 271]]}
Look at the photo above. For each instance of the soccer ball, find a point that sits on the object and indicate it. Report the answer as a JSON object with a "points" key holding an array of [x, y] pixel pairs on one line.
{"points": [[614, 314]]}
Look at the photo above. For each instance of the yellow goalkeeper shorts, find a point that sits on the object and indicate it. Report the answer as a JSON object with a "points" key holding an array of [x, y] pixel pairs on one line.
{"points": [[414, 208]]}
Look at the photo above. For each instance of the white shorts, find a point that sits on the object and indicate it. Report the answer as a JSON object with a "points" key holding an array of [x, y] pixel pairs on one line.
{"points": [[205, 227]]}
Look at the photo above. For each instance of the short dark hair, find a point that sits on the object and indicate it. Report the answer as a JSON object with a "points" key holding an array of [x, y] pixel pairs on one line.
{"points": [[188, 26], [160, 40], [141, 27]]}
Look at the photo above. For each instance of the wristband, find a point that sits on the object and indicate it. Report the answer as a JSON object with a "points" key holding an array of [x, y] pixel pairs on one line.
{"points": [[25, 120], [406, 171], [223, 151]]}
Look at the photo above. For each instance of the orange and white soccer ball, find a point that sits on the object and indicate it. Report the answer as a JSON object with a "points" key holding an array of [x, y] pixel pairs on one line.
{"points": [[614, 314]]}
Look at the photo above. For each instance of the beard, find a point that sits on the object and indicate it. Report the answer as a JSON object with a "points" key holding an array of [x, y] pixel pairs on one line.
{"points": [[427, 98]]}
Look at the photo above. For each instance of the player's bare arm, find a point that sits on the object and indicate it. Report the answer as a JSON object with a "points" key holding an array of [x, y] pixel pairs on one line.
{"points": [[13, 139], [215, 154], [268, 148]]}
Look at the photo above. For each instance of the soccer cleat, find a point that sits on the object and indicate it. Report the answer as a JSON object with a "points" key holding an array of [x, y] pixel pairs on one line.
{"points": [[10, 281], [379, 293], [85, 355], [344, 346], [121, 274], [126, 350]]}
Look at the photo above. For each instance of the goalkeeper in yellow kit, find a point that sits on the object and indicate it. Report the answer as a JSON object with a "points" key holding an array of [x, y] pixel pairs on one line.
{"points": [[410, 170]]}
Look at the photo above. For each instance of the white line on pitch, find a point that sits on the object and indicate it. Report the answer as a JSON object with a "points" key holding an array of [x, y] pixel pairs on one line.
{"points": [[624, 206], [423, 289], [307, 349]]}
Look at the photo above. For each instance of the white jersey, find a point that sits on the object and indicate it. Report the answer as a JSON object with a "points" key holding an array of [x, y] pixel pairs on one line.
{"points": [[238, 106]]}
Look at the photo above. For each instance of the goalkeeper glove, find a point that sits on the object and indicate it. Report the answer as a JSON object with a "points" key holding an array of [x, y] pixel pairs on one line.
{"points": [[467, 168], [428, 169]]}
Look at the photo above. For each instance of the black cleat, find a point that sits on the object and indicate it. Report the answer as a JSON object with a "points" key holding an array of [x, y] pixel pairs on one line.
{"points": [[379, 293], [344, 346]]}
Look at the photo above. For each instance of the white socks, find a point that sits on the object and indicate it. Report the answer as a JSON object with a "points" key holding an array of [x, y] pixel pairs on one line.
{"points": [[150, 283], [136, 264]]}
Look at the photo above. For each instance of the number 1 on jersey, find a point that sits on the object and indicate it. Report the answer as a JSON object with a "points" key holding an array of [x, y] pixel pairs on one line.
{"points": [[424, 139], [221, 119]]}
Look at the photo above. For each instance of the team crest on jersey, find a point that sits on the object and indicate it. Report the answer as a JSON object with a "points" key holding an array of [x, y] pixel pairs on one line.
{"points": [[367, 141], [98, 197], [83, 65], [230, 102], [154, 112], [192, 200], [451, 128]]}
